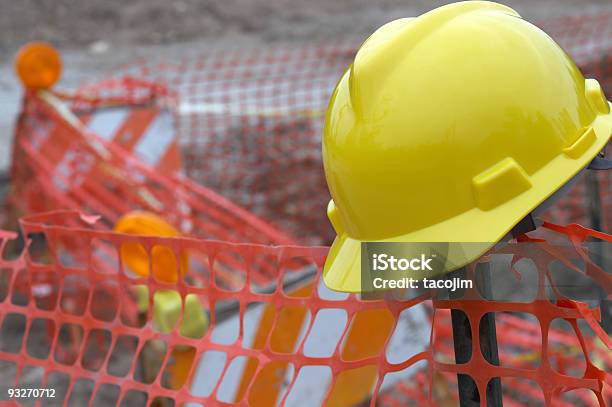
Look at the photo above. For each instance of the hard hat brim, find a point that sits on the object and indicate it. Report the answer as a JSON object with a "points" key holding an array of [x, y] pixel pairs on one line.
{"points": [[342, 271]]}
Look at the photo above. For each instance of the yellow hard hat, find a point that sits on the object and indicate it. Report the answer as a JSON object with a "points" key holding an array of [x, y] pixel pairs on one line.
{"points": [[453, 127]]}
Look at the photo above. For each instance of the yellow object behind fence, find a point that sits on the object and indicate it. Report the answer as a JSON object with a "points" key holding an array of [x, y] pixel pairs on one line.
{"points": [[168, 303]]}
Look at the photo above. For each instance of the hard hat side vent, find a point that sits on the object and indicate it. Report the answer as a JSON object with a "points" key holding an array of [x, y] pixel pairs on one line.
{"points": [[499, 183], [581, 145]]}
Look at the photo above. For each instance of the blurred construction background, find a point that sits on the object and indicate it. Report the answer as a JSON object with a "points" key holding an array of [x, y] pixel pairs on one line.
{"points": [[97, 35]]}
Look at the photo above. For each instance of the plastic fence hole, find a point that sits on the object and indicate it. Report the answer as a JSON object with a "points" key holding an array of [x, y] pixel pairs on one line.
{"points": [[520, 345], [105, 301], [81, 393], [164, 265], [367, 333], [467, 381], [208, 373], [68, 345], [13, 248], [75, 294], [198, 273], [134, 398], [123, 355], [411, 334], [353, 386], [406, 387], [290, 329], [72, 251], [236, 378], [264, 269], [298, 273], [524, 391], [31, 377], [22, 289], [38, 249], [227, 326], [60, 382], [175, 373], [256, 322], [271, 383], [230, 271], [485, 346], [564, 352], [134, 309], [96, 347], [443, 346], [574, 284], [150, 359], [326, 332], [578, 397], [104, 257], [163, 401], [517, 283], [5, 281], [107, 395], [45, 289], [327, 294], [12, 333], [42, 331], [134, 259], [598, 352], [310, 387], [8, 372]]}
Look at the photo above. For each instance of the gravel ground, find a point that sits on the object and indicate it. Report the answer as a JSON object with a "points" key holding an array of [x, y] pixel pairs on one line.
{"points": [[165, 21]]}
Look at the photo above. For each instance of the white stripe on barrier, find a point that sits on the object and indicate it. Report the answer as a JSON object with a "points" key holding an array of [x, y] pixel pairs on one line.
{"points": [[157, 139], [410, 337], [106, 122]]}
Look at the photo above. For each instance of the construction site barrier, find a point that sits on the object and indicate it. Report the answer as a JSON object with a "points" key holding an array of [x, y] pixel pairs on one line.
{"points": [[68, 322], [244, 127]]}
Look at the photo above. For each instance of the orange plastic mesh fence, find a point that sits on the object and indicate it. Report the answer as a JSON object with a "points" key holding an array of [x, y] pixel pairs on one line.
{"points": [[249, 122], [59, 164], [69, 324]]}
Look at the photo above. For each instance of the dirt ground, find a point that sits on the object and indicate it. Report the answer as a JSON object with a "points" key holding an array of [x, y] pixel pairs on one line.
{"points": [[80, 23]]}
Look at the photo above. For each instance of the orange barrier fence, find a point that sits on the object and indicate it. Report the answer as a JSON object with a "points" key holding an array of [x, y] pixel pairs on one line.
{"points": [[67, 324]]}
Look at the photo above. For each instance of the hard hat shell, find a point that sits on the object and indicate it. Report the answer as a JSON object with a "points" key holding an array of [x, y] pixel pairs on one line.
{"points": [[452, 127]]}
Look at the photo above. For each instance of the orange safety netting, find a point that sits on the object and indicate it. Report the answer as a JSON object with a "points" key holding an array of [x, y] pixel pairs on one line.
{"points": [[67, 323], [249, 122], [61, 164]]}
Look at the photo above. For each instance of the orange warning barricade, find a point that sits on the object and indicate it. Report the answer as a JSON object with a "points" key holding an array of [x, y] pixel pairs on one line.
{"points": [[104, 162], [66, 324]]}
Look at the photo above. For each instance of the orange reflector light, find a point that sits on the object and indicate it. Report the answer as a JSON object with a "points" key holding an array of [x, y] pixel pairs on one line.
{"points": [[38, 65], [135, 256]]}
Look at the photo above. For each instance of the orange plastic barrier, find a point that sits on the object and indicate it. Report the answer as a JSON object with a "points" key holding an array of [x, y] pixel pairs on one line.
{"points": [[296, 344]]}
